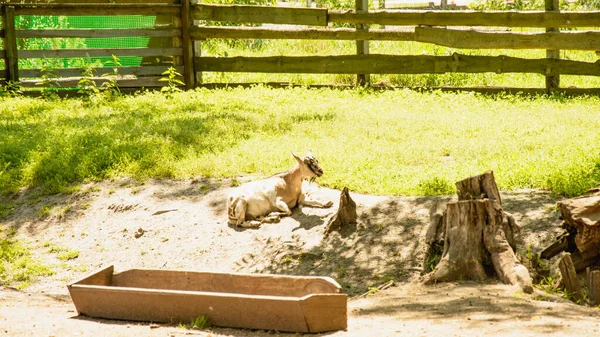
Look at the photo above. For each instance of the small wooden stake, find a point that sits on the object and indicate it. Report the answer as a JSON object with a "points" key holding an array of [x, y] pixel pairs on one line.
{"points": [[594, 287], [345, 215], [569, 276]]}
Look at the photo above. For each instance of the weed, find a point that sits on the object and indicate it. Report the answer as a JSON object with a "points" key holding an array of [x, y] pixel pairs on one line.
{"points": [[173, 82], [63, 253], [434, 254], [198, 323], [11, 89], [87, 86], [45, 211], [68, 255], [436, 186], [49, 81], [17, 267], [111, 86]]}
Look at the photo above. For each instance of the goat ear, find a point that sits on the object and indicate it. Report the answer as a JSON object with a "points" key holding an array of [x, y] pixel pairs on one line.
{"points": [[298, 159]]}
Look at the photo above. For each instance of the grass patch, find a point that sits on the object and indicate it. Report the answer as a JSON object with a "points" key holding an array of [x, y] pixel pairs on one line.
{"points": [[17, 267], [63, 253], [398, 142], [198, 323]]}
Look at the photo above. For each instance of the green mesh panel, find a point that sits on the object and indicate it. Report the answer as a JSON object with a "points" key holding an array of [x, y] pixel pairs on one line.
{"points": [[89, 22], [132, 21]]}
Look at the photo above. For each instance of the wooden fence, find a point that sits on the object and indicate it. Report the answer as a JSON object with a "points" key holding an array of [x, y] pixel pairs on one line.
{"points": [[444, 28], [169, 41]]}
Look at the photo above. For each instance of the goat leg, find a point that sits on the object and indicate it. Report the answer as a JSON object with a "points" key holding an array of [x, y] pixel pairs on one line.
{"points": [[250, 224], [279, 203], [273, 217], [304, 200]]}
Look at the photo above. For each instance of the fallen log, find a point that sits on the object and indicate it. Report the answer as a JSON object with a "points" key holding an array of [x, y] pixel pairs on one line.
{"points": [[582, 216]]}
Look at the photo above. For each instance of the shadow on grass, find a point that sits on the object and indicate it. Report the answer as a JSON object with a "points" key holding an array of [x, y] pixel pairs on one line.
{"points": [[57, 152]]}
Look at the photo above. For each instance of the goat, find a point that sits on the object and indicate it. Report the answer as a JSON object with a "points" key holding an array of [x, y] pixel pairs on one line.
{"points": [[267, 200]]}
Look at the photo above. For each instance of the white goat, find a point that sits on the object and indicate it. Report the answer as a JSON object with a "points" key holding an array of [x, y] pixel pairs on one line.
{"points": [[267, 200]]}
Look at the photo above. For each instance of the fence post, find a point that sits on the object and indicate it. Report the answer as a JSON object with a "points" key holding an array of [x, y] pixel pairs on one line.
{"points": [[197, 50], [187, 45], [11, 58], [552, 81], [362, 47]]}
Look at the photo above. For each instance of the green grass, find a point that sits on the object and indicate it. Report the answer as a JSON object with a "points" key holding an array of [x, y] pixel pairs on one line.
{"points": [[390, 142], [63, 253], [17, 267], [198, 323]]}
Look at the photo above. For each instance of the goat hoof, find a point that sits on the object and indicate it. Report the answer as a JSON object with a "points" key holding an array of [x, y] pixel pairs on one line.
{"points": [[272, 219]]}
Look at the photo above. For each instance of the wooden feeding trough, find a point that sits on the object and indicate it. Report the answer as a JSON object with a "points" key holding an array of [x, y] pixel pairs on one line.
{"points": [[254, 301]]}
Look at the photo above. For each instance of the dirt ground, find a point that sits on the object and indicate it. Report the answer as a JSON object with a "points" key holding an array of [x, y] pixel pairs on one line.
{"points": [[181, 225]]}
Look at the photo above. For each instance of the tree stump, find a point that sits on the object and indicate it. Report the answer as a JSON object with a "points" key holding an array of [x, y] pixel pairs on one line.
{"points": [[463, 251], [477, 229], [437, 230], [345, 216], [495, 233], [478, 187]]}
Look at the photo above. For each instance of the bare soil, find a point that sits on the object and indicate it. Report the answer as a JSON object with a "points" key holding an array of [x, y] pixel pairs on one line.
{"points": [[182, 225]]}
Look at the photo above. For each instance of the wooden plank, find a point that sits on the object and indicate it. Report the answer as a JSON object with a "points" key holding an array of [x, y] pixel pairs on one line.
{"points": [[189, 74], [76, 72], [325, 312], [469, 18], [11, 55], [65, 53], [97, 33], [248, 284], [395, 64], [594, 287], [470, 39], [569, 277], [555, 248], [97, 9], [532, 92], [128, 82], [102, 277], [198, 33], [18, 2], [260, 14]]}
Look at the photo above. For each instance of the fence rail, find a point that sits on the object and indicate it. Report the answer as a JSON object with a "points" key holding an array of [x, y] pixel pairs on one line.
{"points": [[177, 30]]}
